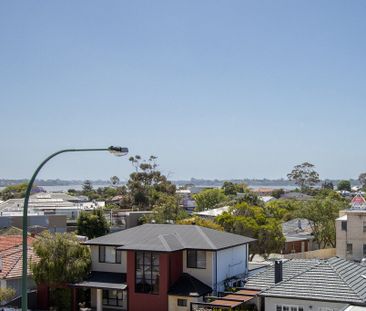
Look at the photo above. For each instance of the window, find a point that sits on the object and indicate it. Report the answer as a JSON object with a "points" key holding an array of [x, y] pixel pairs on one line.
{"points": [[349, 248], [182, 302], [196, 259], [109, 254], [364, 250], [364, 226], [101, 253], [147, 272], [344, 225], [289, 308], [113, 298]]}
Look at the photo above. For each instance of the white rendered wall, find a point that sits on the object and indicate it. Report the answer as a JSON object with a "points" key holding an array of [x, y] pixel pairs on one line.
{"points": [[108, 267]]}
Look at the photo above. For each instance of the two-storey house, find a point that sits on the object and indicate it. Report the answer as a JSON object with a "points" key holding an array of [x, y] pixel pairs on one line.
{"points": [[163, 267]]}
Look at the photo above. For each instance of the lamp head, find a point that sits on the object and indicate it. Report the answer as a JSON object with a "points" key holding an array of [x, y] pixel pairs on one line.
{"points": [[118, 151]]}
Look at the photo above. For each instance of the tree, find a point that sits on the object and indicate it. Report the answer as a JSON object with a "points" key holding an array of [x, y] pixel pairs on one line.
{"points": [[200, 222], [344, 185], [253, 222], [362, 180], [61, 260], [114, 180], [327, 184], [208, 199], [304, 175], [146, 183], [92, 224], [322, 213], [87, 187], [166, 210], [6, 294], [14, 191], [277, 193]]}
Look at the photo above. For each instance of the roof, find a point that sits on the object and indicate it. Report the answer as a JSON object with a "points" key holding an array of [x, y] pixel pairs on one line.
{"points": [[107, 280], [10, 241], [11, 262], [213, 212], [344, 217], [264, 280], [334, 279], [170, 238], [296, 196], [187, 285]]}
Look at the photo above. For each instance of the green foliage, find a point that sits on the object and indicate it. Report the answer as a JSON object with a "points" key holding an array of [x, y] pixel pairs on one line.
{"points": [[252, 221], [200, 222], [92, 224], [231, 188], [14, 192], [208, 199], [146, 183], [327, 185], [61, 298], [87, 187], [6, 294], [322, 212], [61, 259], [277, 193], [304, 175], [283, 209], [344, 185], [114, 180], [166, 209]]}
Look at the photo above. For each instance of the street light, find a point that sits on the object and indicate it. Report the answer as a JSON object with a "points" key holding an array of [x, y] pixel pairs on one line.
{"points": [[117, 151]]}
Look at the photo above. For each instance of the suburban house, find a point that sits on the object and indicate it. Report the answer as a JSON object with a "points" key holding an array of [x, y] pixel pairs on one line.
{"points": [[351, 231], [11, 262], [163, 266], [299, 236], [310, 285]]}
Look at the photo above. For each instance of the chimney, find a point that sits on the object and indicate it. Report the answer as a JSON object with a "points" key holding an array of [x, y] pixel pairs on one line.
{"points": [[278, 271], [299, 224]]}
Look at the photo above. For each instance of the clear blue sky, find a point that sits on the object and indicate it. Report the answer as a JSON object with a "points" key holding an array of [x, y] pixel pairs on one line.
{"points": [[215, 89]]}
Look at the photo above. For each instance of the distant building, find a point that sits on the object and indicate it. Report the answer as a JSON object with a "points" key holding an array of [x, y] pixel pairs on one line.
{"points": [[212, 213], [351, 231], [299, 236]]}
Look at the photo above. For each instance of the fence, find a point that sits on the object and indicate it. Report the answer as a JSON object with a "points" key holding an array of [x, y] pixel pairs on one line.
{"points": [[318, 254]]}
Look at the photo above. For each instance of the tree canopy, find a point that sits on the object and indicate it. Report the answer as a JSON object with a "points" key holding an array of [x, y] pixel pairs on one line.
{"points": [[61, 259], [92, 224], [253, 222], [304, 175], [209, 198], [200, 222], [344, 185]]}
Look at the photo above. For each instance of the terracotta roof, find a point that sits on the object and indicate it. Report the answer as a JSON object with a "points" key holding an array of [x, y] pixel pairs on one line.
{"points": [[11, 256], [10, 241], [11, 260]]}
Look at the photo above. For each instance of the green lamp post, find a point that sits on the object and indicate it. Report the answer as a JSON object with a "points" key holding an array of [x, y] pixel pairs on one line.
{"points": [[117, 151]]}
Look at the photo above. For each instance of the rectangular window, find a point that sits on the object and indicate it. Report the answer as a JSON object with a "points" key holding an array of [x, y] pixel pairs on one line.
{"points": [[349, 248], [196, 259], [118, 256], [147, 272], [182, 302], [278, 308], [113, 298], [344, 225], [364, 250], [101, 253], [364, 226]]}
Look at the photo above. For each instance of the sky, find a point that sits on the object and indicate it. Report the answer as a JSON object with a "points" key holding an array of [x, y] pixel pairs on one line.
{"points": [[215, 89]]}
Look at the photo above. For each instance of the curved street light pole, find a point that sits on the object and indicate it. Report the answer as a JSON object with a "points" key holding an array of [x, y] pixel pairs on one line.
{"points": [[118, 151]]}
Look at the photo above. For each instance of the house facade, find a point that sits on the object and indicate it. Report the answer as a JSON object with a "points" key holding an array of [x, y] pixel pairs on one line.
{"points": [[163, 267]]}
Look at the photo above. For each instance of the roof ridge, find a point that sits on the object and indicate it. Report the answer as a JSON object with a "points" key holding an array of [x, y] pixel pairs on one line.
{"points": [[330, 264], [12, 267], [164, 242], [203, 234], [292, 277]]}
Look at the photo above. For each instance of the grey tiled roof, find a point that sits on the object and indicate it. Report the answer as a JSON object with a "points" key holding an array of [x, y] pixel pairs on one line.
{"points": [[291, 268], [334, 279], [169, 238]]}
